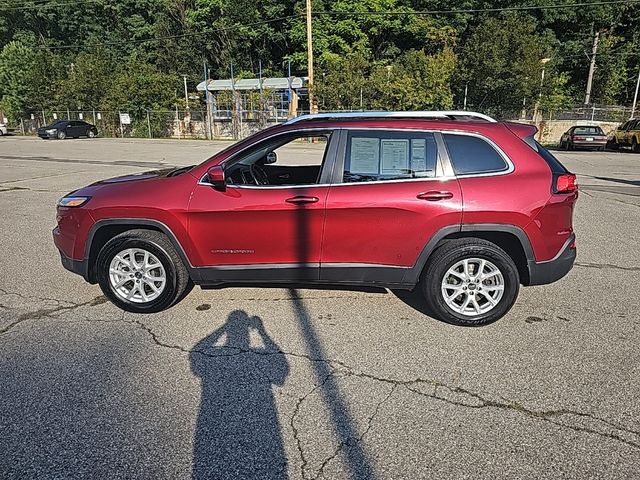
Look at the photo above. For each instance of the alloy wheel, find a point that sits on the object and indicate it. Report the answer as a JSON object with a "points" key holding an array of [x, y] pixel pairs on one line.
{"points": [[472, 286], [137, 275]]}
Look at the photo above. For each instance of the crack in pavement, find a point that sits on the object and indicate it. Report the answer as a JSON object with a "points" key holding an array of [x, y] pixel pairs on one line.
{"points": [[294, 429], [48, 312], [351, 441], [606, 266], [126, 163], [452, 395], [44, 176], [550, 416]]}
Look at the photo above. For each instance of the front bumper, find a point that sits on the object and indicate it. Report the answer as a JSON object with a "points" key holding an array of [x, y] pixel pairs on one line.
{"points": [[76, 266], [542, 273], [79, 267]]}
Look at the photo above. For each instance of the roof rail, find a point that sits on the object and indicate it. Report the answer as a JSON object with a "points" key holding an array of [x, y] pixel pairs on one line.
{"points": [[450, 114]]}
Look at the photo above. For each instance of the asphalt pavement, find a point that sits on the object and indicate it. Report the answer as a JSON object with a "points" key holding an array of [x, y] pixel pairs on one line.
{"points": [[305, 384]]}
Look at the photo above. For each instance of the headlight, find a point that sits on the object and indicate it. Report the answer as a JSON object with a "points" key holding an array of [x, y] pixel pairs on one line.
{"points": [[73, 201], [53, 130]]}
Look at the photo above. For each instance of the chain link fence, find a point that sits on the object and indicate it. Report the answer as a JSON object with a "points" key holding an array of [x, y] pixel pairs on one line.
{"points": [[592, 113], [227, 123], [185, 124]]}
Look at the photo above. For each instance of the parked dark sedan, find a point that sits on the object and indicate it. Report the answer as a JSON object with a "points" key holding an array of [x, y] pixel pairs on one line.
{"points": [[583, 136], [68, 129]]}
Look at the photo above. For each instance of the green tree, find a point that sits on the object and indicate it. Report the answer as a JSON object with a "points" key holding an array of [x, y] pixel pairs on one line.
{"points": [[27, 79], [501, 64]]}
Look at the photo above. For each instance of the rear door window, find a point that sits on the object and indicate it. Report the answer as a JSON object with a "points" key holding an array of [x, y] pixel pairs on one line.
{"points": [[473, 155], [387, 155]]}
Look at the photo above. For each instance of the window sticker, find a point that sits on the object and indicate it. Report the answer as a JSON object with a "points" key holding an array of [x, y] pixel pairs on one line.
{"points": [[418, 155], [365, 155], [395, 156]]}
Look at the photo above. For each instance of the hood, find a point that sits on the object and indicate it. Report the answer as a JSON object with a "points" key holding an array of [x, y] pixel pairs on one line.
{"points": [[166, 172]]}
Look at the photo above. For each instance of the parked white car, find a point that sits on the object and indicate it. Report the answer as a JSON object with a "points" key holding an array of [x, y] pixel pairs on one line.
{"points": [[3, 129]]}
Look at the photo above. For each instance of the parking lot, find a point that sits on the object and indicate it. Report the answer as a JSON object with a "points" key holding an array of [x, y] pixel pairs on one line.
{"points": [[302, 384]]}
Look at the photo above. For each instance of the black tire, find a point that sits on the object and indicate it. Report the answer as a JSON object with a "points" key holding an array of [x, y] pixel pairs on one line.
{"points": [[451, 252], [178, 284], [91, 134], [635, 146], [61, 135], [613, 144]]}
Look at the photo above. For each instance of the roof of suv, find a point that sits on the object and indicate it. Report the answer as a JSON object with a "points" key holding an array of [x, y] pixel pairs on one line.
{"points": [[461, 115]]}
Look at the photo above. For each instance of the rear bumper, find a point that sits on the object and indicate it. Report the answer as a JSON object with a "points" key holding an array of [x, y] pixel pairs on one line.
{"points": [[585, 144], [542, 273]]}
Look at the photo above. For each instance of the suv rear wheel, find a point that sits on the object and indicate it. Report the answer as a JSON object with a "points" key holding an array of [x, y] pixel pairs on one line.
{"points": [[140, 272], [470, 282]]}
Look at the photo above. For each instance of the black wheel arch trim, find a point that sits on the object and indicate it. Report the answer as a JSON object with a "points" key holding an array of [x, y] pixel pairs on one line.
{"points": [[413, 274], [137, 223]]}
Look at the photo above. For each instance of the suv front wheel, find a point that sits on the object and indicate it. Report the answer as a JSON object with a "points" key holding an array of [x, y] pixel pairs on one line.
{"points": [[140, 272], [470, 282]]}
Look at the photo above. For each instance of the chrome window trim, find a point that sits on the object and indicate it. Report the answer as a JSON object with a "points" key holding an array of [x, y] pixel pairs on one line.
{"points": [[444, 165]]}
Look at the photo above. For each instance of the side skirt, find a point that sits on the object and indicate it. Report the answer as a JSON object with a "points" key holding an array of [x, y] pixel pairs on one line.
{"points": [[338, 275]]}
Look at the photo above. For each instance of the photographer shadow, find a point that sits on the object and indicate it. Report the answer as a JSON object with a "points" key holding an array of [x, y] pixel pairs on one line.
{"points": [[238, 434]]}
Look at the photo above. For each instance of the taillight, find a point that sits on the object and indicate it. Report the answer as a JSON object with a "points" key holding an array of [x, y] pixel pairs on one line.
{"points": [[565, 183]]}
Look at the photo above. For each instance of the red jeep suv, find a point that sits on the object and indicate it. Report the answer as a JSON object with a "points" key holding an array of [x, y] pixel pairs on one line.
{"points": [[454, 205]]}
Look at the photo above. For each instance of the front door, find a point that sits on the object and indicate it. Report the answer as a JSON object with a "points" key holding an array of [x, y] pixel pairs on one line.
{"points": [[266, 225], [392, 197]]}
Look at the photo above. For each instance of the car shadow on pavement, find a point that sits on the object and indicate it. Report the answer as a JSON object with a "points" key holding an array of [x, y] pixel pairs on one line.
{"points": [[238, 434]]}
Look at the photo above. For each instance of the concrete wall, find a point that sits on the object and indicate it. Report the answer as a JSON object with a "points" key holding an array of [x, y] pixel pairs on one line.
{"points": [[549, 131]]}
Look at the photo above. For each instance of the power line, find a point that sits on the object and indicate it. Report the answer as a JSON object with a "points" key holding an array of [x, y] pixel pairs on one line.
{"points": [[474, 10], [170, 37]]}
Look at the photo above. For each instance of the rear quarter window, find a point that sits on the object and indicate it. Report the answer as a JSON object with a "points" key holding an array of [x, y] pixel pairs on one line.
{"points": [[473, 155]]}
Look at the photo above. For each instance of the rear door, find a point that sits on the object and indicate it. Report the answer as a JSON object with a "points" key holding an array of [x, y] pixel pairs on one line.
{"points": [[75, 129], [390, 197]]}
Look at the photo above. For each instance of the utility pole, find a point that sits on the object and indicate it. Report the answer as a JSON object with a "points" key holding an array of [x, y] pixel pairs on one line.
{"points": [[464, 104], [536, 107], [186, 93], [592, 68], [207, 95], [312, 100], [635, 97]]}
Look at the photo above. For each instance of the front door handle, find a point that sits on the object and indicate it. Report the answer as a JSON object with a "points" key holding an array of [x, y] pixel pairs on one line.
{"points": [[301, 199], [434, 195]]}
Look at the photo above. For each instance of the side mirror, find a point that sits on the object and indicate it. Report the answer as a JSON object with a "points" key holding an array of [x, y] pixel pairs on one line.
{"points": [[272, 157], [216, 176]]}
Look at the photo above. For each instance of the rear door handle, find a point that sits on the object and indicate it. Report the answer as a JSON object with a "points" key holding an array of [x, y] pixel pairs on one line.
{"points": [[434, 195], [300, 199]]}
